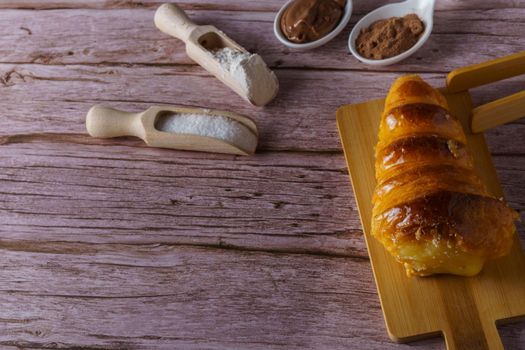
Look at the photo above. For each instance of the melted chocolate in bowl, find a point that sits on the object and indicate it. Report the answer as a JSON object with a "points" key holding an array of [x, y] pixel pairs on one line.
{"points": [[309, 20]]}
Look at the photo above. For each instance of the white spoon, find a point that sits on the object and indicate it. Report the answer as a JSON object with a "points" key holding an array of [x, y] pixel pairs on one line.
{"points": [[424, 9]]}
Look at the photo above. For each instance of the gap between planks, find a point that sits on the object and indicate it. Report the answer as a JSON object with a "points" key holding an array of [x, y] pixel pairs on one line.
{"points": [[205, 73], [88, 248]]}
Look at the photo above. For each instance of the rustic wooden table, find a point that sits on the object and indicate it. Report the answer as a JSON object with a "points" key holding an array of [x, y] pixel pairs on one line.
{"points": [[113, 245]]}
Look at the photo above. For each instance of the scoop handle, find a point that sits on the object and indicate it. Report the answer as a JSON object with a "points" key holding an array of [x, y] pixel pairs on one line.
{"points": [[172, 20], [105, 122]]}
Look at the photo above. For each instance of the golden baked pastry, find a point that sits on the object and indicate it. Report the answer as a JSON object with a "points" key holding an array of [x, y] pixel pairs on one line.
{"points": [[431, 211]]}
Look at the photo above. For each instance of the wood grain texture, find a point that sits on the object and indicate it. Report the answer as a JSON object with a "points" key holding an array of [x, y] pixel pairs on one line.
{"points": [[165, 297], [287, 202], [360, 7], [61, 96], [100, 296], [112, 245], [459, 37]]}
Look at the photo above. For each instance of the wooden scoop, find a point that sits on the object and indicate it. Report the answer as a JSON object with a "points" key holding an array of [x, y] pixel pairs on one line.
{"points": [[107, 122], [201, 41]]}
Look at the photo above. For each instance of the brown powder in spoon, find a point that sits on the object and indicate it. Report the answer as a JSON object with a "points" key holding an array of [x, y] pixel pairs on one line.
{"points": [[389, 37]]}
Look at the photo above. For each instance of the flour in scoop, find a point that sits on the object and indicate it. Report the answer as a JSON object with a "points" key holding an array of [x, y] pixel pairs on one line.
{"points": [[250, 71], [219, 127]]}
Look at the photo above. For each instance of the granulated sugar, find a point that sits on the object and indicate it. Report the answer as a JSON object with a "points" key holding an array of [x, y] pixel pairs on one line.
{"points": [[250, 71], [218, 127]]}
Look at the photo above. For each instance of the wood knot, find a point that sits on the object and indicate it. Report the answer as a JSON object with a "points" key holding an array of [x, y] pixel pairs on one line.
{"points": [[11, 78], [27, 30], [279, 204]]}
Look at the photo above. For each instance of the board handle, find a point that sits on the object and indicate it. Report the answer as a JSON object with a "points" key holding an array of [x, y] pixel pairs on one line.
{"points": [[105, 122], [172, 20], [465, 78], [473, 336], [501, 111]]}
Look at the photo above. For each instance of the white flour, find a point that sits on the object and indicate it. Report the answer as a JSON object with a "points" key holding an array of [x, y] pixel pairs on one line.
{"points": [[250, 71], [218, 127]]}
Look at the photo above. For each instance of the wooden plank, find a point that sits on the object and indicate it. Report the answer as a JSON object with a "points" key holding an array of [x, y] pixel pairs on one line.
{"points": [[235, 5], [277, 202], [165, 297], [291, 118], [480, 301], [289, 202], [57, 98], [128, 36], [360, 7]]}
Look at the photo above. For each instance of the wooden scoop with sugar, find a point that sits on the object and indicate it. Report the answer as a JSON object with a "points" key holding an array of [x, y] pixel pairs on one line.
{"points": [[193, 129], [244, 73]]}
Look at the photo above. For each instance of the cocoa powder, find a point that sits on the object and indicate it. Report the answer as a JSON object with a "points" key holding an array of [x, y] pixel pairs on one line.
{"points": [[389, 37]]}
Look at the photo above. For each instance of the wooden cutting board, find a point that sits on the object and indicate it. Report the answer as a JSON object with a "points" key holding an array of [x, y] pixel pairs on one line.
{"points": [[464, 309]]}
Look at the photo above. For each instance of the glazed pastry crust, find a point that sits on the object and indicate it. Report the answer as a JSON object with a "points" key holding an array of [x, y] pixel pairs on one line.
{"points": [[431, 211]]}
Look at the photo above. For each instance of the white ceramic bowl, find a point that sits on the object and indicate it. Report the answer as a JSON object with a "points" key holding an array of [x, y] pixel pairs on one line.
{"points": [[312, 44], [423, 8]]}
